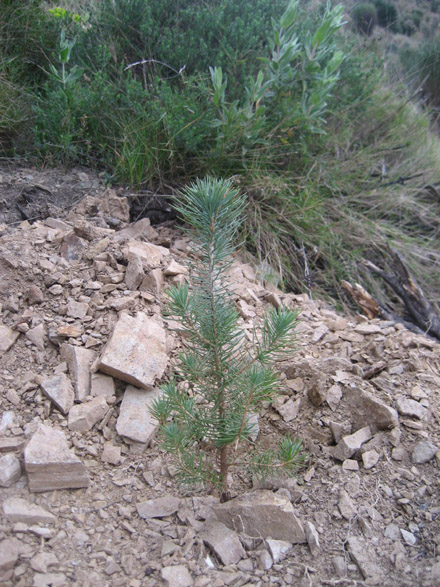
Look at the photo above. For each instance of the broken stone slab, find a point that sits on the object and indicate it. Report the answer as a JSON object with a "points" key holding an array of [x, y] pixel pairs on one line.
{"points": [[135, 421], [423, 452], [289, 410], [174, 269], [102, 385], [82, 417], [136, 351], [150, 255], [223, 541], [77, 309], [140, 229], [370, 459], [134, 273], [348, 445], [177, 576], [59, 390], [79, 361], [312, 538], [16, 509], [36, 336], [7, 338], [262, 514], [346, 505], [158, 508], [50, 464], [278, 548], [49, 580], [317, 390], [366, 410], [152, 282], [9, 551], [10, 470], [10, 443], [42, 561], [364, 558], [411, 408]]}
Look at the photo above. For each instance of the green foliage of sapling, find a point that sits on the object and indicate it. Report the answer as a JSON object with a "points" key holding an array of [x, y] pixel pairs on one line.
{"points": [[221, 380]]}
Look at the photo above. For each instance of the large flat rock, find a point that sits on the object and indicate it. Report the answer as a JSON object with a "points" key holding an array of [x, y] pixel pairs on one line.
{"points": [[136, 351], [135, 421], [16, 509], [7, 338], [262, 514], [79, 360], [50, 464]]}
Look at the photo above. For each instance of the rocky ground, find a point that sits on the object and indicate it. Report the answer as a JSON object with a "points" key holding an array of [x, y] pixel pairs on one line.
{"points": [[88, 497]]}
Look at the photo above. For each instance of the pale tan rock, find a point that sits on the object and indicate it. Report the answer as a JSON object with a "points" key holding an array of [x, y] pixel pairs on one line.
{"points": [[36, 336], [412, 408], [82, 417], [136, 230], [158, 508], [50, 464], [262, 514], [312, 538], [153, 282], [348, 445], [174, 269], [346, 506], [246, 311], [274, 299], [177, 576], [134, 273], [77, 309], [10, 470], [367, 328], [9, 551], [223, 541], [370, 458], [289, 410], [7, 338], [366, 410], [102, 385], [60, 392], [136, 352], [42, 561], [364, 558], [150, 255], [79, 360], [278, 548], [135, 421], [16, 509], [111, 454]]}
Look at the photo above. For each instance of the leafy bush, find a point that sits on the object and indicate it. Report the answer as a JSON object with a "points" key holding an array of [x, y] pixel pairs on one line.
{"points": [[206, 414], [387, 15], [364, 17]]}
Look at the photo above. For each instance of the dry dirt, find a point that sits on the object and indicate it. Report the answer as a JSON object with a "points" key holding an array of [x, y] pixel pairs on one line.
{"points": [[381, 495]]}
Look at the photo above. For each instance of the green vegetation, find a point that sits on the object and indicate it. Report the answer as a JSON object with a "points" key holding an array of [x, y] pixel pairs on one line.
{"points": [[283, 99], [364, 17], [206, 415]]}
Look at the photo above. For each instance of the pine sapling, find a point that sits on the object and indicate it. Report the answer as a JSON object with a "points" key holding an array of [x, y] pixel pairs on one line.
{"points": [[206, 410]]}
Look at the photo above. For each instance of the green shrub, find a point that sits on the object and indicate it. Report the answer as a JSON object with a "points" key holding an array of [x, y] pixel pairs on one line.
{"points": [[364, 17], [205, 412], [387, 15]]}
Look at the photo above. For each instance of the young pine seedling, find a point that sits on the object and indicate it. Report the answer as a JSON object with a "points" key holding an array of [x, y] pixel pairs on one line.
{"points": [[206, 411]]}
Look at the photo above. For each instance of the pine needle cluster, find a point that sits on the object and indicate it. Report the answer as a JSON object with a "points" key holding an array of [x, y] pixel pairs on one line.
{"points": [[206, 411]]}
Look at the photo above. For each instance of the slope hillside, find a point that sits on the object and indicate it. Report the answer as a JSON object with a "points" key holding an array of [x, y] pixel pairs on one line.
{"points": [[87, 495]]}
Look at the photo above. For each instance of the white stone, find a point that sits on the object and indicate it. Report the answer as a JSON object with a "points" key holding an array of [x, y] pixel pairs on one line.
{"points": [[16, 509], [50, 464], [60, 392], [7, 338], [79, 361], [150, 255], [10, 470], [177, 576], [82, 417], [135, 421], [136, 351]]}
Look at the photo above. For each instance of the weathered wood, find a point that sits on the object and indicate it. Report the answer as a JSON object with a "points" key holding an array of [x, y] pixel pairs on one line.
{"points": [[404, 285]]}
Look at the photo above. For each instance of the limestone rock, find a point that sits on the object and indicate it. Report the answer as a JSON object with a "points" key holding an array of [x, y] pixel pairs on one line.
{"points": [[7, 338], [346, 506], [9, 550], [136, 352], [50, 464], [348, 445], [79, 361], [135, 420], [412, 408], [42, 561], [77, 309], [134, 273], [364, 557], [177, 576], [174, 269], [370, 458], [36, 336], [10, 470], [223, 541], [16, 509], [278, 548], [312, 538], [82, 417], [158, 508], [366, 410], [423, 452], [139, 229], [152, 282], [59, 390], [262, 514], [150, 255], [102, 385], [111, 454]]}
